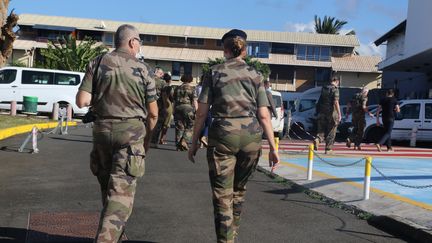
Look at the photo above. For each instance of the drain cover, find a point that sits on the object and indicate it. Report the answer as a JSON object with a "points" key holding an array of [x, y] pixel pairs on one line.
{"points": [[57, 227]]}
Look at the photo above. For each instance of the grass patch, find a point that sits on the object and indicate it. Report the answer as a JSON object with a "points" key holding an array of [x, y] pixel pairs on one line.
{"points": [[7, 121]]}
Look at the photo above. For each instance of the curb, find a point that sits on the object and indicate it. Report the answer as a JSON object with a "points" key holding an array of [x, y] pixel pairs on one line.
{"points": [[392, 224], [9, 132]]}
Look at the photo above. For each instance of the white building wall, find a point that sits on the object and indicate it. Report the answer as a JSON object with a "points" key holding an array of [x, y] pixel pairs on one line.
{"points": [[418, 31]]}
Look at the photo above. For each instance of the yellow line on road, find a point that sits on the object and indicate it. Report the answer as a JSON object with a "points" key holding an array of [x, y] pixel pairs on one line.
{"points": [[9, 132]]}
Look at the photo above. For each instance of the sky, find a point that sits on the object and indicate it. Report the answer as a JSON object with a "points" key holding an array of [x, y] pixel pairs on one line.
{"points": [[369, 18]]}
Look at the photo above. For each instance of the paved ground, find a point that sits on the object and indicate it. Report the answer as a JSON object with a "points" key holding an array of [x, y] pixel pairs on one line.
{"points": [[173, 201]]}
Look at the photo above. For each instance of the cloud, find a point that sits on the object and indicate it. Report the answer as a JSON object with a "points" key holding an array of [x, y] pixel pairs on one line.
{"points": [[301, 5], [347, 9], [300, 27], [371, 50], [386, 10]]}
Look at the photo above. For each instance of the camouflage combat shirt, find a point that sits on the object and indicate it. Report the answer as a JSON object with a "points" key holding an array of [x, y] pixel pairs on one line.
{"points": [[184, 94], [329, 94], [123, 85], [234, 89], [358, 103]]}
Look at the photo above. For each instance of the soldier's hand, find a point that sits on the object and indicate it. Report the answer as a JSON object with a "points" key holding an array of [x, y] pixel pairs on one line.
{"points": [[192, 152], [273, 158]]}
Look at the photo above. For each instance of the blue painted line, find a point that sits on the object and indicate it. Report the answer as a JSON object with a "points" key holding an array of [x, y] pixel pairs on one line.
{"points": [[409, 171]]}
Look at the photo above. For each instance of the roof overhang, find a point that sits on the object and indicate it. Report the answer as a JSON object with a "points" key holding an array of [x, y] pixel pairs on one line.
{"points": [[418, 63], [398, 29], [53, 27]]}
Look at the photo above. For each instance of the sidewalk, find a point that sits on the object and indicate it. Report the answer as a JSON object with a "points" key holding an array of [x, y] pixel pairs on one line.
{"points": [[391, 211]]}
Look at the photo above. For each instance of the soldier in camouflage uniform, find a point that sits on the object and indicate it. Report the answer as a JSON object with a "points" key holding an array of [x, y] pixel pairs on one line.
{"points": [[122, 95], [358, 107], [185, 104], [329, 115], [238, 101], [160, 84]]}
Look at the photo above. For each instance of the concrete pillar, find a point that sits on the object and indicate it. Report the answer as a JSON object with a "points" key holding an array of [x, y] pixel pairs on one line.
{"points": [[55, 111], [69, 112], [13, 109]]}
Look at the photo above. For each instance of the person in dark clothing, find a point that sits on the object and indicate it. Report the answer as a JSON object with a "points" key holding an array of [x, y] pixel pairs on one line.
{"points": [[388, 107]]}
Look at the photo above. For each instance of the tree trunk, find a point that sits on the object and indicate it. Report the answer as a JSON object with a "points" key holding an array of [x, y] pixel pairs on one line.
{"points": [[7, 36]]}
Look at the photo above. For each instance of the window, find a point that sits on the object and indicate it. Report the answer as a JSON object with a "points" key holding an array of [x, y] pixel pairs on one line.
{"points": [[277, 100], [34, 77], [180, 68], [149, 38], [305, 105], [282, 48], [219, 43], [66, 79], [195, 41], [108, 39], [258, 49], [313, 53], [342, 50], [410, 111], [322, 76], [177, 40], [428, 111], [7, 76]]}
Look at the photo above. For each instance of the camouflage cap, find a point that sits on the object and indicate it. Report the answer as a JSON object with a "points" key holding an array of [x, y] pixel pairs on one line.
{"points": [[233, 33]]}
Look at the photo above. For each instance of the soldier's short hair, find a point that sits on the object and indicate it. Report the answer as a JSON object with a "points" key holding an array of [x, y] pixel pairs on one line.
{"points": [[186, 78], [123, 34], [335, 78]]}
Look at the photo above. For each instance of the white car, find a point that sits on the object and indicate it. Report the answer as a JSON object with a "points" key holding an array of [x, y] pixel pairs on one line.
{"points": [[279, 121], [413, 113]]}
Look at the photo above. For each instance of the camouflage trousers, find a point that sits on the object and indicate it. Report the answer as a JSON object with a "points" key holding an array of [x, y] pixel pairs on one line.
{"points": [[117, 160], [184, 120], [326, 129], [359, 124], [159, 124], [232, 155]]}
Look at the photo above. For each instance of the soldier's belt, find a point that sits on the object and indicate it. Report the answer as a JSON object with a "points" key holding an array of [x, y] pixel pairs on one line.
{"points": [[120, 118]]}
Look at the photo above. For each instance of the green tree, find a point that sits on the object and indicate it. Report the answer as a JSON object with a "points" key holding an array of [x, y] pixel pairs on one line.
{"points": [[66, 54], [7, 34], [263, 68], [329, 25]]}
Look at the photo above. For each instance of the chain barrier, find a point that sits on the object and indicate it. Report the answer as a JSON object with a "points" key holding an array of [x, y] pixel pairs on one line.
{"points": [[337, 165], [307, 133], [399, 183], [295, 152]]}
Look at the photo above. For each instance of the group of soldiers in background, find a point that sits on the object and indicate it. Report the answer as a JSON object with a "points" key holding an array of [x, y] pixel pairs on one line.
{"points": [[329, 116], [179, 102]]}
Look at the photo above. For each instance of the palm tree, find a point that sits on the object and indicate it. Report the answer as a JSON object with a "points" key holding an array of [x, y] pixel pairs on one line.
{"points": [[7, 35], [329, 25], [66, 54]]}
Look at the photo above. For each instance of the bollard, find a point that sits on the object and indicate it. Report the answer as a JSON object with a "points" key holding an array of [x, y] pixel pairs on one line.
{"points": [[69, 112], [413, 139], [34, 140], [366, 190], [13, 108], [55, 111], [310, 162]]}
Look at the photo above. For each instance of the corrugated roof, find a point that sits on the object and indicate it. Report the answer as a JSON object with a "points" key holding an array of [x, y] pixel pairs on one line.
{"points": [[27, 44], [356, 64], [189, 31]]}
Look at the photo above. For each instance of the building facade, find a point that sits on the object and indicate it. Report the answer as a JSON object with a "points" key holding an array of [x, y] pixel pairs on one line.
{"points": [[408, 63], [298, 61]]}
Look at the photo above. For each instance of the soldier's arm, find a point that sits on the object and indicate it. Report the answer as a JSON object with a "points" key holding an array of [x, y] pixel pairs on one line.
{"points": [[201, 116], [83, 98], [265, 121], [336, 104], [152, 117]]}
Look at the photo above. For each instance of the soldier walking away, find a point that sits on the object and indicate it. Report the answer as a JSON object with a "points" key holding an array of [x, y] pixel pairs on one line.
{"points": [[185, 105], [239, 104], [122, 95], [160, 84], [389, 107], [358, 107], [167, 96], [329, 115]]}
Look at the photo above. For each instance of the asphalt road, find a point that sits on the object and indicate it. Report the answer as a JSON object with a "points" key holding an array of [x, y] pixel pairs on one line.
{"points": [[173, 201]]}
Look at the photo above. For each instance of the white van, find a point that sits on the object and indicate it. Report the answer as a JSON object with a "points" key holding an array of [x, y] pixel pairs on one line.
{"points": [[413, 113], [50, 86], [279, 121]]}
